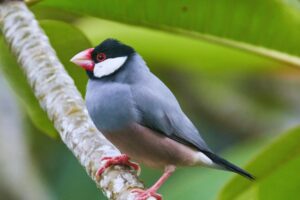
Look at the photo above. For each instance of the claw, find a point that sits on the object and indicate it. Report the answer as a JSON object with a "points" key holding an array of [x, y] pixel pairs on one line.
{"points": [[145, 194], [151, 192], [105, 158], [122, 159]]}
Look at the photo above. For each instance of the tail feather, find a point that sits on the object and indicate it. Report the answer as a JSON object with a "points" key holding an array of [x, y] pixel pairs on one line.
{"points": [[227, 165]]}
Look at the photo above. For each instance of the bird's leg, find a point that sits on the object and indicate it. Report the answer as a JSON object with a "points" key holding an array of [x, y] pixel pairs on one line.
{"points": [[145, 194], [122, 159]]}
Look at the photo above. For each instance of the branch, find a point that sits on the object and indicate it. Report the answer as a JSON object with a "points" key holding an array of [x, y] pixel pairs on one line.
{"points": [[58, 96]]}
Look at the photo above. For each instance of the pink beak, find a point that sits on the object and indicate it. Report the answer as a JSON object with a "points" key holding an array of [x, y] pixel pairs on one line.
{"points": [[84, 59]]}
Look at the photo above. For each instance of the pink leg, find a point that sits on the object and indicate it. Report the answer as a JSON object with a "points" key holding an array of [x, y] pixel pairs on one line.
{"points": [[145, 194], [122, 159]]}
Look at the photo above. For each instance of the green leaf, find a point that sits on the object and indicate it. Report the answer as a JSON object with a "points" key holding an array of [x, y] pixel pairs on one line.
{"points": [[276, 170], [176, 50], [165, 49], [67, 41], [269, 27]]}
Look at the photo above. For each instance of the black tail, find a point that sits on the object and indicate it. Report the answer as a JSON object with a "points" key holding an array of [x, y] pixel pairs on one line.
{"points": [[227, 165]]}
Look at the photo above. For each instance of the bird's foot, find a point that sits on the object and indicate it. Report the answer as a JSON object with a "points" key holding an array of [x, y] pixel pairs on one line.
{"points": [[145, 194], [122, 159]]}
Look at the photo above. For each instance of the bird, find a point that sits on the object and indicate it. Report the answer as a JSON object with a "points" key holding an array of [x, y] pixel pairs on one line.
{"points": [[140, 115]]}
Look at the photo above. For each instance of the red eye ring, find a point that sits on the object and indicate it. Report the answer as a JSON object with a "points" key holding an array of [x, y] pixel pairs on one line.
{"points": [[100, 57]]}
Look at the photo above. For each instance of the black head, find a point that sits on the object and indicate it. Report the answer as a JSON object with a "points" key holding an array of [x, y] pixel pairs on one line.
{"points": [[110, 48], [104, 59]]}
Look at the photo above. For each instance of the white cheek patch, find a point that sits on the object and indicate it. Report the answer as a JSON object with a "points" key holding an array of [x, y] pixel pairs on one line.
{"points": [[108, 66]]}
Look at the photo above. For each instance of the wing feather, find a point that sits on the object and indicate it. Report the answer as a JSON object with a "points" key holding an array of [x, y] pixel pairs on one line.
{"points": [[159, 110]]}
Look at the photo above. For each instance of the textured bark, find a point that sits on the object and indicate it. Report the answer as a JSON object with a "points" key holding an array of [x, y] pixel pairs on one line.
{"points": [[59, 97]]}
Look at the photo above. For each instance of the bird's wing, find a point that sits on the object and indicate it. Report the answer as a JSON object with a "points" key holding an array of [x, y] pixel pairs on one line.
{"points": [[159, 110]]}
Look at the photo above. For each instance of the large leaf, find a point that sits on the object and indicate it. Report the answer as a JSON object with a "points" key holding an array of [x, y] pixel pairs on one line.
{"points": [[180, 52], [176, 50], [61, 36], [276, 169], [268, 27]]}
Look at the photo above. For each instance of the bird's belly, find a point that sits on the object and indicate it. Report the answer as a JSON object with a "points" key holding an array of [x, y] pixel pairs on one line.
{"points": [[151, 148]]}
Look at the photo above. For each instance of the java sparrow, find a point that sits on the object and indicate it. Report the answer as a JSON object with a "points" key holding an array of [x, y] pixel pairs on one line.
{"points": [[138, 113]]}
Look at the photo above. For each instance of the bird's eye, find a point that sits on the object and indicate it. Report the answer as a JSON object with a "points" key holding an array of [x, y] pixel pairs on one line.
{"points": [[100, 57]]}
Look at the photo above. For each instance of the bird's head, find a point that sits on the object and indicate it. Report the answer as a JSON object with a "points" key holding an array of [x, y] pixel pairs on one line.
{"points": [[104, 59]]}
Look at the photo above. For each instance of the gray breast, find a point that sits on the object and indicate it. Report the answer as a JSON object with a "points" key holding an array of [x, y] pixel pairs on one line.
{"points": [[110, 105]]}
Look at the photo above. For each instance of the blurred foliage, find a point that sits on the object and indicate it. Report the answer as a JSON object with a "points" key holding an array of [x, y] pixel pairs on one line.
{"points": [[272, 24], [275, 169], [237, 99]]}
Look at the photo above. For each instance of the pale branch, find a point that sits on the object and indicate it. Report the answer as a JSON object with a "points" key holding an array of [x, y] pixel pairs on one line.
{"points": [[58, 96], [18, 173]]}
